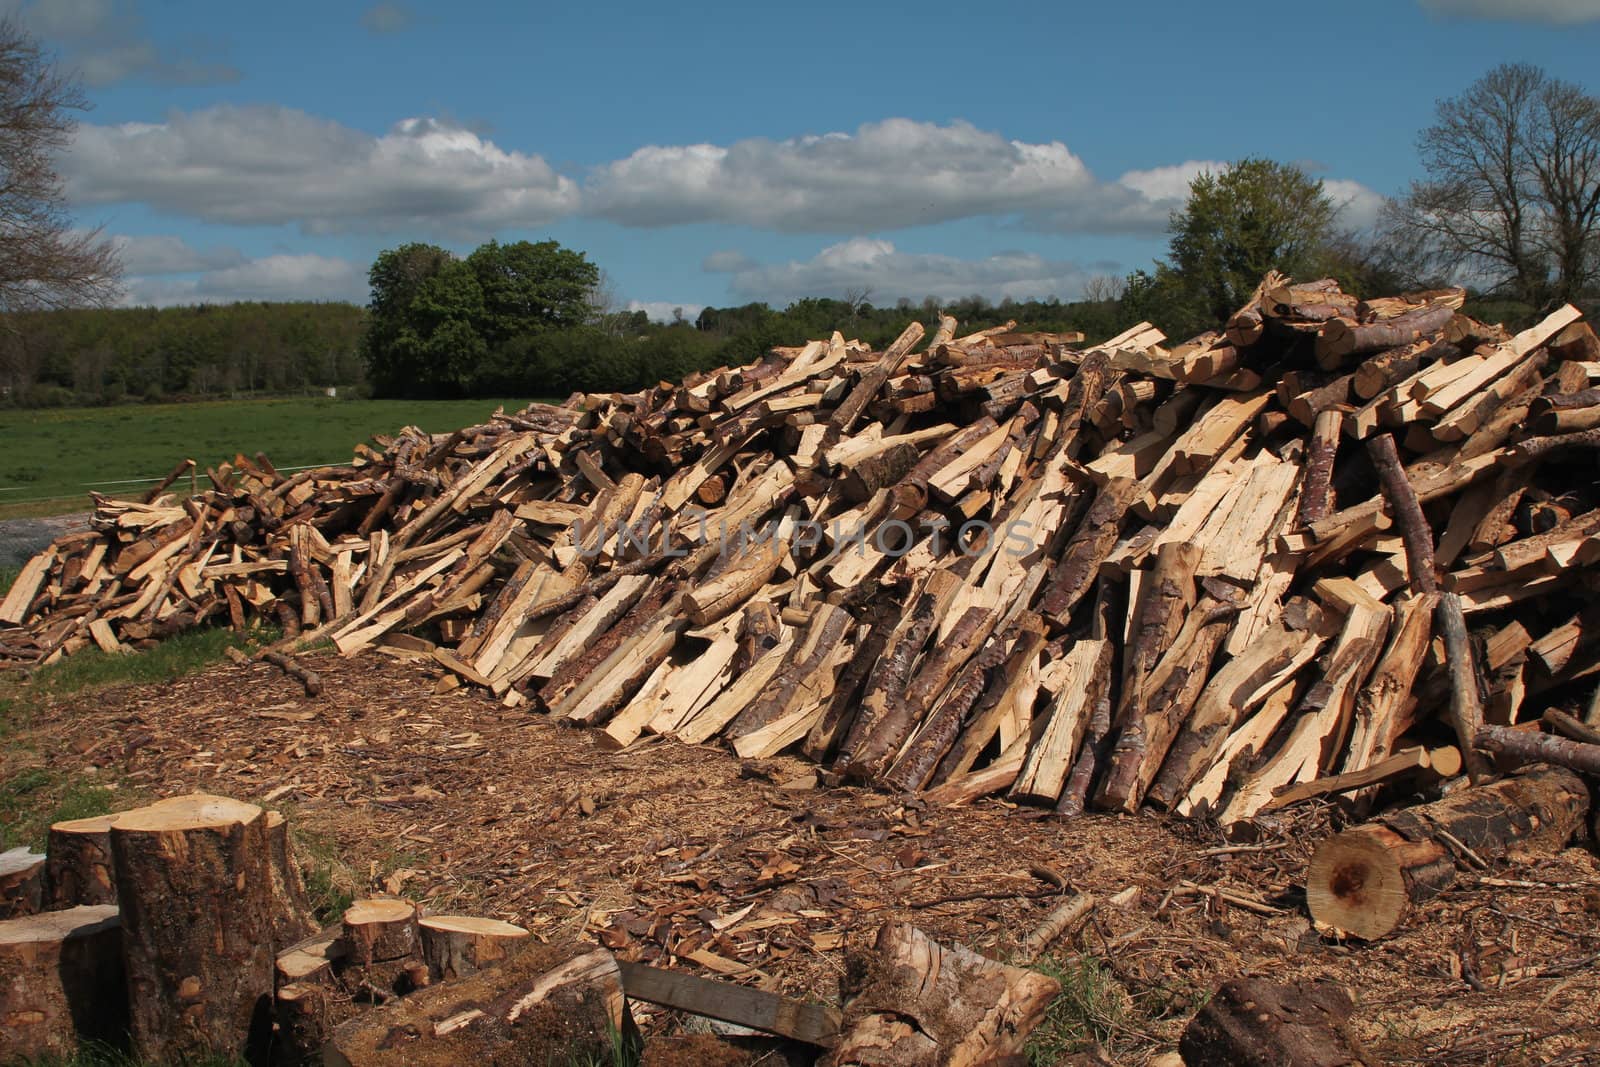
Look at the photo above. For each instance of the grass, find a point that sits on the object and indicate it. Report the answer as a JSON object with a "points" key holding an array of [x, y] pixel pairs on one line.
{"points": [[1090, 1011], [330, 883], [55, 456], [36, 796]]}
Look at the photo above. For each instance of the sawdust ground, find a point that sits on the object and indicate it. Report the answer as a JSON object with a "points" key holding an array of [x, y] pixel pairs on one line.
{"points": [[688, 857]]}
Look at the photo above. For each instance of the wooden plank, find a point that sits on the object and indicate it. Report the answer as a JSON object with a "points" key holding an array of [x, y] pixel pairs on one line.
{"points": [[815, 1024]]}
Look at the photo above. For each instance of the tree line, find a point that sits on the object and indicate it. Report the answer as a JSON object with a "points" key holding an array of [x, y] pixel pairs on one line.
{"points": [[1508, 205]]}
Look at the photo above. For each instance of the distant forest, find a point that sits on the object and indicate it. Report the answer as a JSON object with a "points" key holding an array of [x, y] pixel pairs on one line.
{"points": [[118, 355], [110, 355]]}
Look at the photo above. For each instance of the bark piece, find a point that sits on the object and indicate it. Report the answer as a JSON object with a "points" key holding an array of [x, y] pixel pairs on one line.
{"points": [[545, 1005], [1251, 1022], [924, 1003]]}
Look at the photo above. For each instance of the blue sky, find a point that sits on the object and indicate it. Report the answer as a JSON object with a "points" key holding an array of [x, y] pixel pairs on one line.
{"points": [[719, 153]]}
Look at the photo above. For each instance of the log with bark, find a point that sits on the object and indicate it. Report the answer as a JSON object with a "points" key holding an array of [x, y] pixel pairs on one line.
{"points": [[1364, 882]]}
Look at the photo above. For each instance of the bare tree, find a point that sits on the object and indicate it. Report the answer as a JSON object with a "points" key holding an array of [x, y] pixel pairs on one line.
{"points": [[44, 262], [1103, 288], [856, 298], [1512, 197]]}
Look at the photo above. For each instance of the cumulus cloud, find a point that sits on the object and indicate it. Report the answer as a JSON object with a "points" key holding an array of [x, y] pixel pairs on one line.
{"points": [[386, 18], [890, 175], [265, 165], [666, 310], [105, 41], [1556, 12], [863, 263], [274, 277], [164, 254], [886, 175]]}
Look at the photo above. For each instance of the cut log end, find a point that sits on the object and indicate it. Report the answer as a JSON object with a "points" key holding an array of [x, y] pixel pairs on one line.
{"points": [[1356, 883]]}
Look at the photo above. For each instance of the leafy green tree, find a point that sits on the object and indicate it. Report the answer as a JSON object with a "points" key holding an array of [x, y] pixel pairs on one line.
{"points": [[443, 326], [1256, 216], [528, 287]]}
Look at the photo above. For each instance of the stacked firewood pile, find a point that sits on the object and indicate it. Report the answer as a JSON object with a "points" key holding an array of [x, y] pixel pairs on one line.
{"points": [[1308, 553]]}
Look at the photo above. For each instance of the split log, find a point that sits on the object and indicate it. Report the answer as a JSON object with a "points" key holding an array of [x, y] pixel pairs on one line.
{"points": [[1443, 762], [1316, 486], [1080, 561], [544, 1005], [1251, 1022], [455, 946], [924, 1003], [194, 886], [21, 883], [1051, 758], [1365, 881], [61, 980], [79, 868]]}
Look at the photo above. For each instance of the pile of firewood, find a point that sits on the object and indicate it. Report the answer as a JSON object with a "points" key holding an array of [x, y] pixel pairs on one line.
{"points": [[1309, 553]]}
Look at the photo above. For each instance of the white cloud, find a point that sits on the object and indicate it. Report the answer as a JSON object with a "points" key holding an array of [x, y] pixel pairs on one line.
{"points": [[265, 165], [105, 42], [1358, 205], [666, 310], [386, 18], [274, 277], [163, 254], [863, 263], [1170, 182], [1557, 12], [886, 175]]}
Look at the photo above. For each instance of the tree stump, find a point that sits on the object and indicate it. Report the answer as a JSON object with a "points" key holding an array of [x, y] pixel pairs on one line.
{"points": [[301, 1009], [291, 907], [312, 961], [923, 1003], [377, 931], [1364, 882], [1254, 1023], [545, 1005], [79, 870], [61, 980], [21, 883], [455, 946], [193, 880]]}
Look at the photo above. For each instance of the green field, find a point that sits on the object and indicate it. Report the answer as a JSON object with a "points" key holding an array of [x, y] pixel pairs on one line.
{"points": [[51, 458]]}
